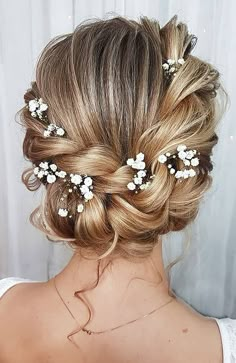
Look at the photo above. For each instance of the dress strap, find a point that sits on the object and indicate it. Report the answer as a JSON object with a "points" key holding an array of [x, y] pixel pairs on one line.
{"points": [[227, 329]]}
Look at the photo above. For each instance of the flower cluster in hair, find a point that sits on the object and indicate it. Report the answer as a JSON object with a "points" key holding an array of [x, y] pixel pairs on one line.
{"points": [[54, 130], [75, 183], [38, 108], [171, 66], [137, 182], [188, 158]]}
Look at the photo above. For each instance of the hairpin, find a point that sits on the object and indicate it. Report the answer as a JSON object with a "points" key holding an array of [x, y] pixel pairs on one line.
{"points": [[38, 109], [137, 182], [171, 67], [75, 183], [187, 156]]}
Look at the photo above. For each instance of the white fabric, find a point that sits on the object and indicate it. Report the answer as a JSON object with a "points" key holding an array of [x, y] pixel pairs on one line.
{"points": [[227, 327], [206, 278]]}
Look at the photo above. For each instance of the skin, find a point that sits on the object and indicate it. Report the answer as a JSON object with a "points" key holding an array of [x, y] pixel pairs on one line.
{"points": [[35, 322]]}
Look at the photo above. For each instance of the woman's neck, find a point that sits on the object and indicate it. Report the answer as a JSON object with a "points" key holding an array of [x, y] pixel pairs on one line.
{"points": [[137, 286]]}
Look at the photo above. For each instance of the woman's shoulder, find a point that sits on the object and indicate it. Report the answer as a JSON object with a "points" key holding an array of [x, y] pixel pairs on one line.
{"points": [[20, 302], [18, 289], [8, 282], [23, 290]]}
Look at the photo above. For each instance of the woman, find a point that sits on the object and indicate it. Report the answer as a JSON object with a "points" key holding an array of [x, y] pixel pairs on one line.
{"points": [[120, 126]]}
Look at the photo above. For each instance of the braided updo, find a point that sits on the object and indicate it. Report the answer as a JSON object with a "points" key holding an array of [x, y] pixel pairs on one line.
{"points": [[104, 84]]}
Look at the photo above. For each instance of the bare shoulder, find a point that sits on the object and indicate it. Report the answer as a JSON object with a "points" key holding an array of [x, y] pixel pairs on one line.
{"points": [[17, 300], [33, 325], [18, 315], [194, 334]]}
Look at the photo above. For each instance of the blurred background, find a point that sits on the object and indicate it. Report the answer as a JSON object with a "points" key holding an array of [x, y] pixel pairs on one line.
{"points": [[206, 277]]}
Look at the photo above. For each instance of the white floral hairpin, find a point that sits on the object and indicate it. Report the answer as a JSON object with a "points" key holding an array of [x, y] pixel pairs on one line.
{"points": [[38, 109], [137, 182], [171, 67], [54, 130], [75, 183], [187, 156]]}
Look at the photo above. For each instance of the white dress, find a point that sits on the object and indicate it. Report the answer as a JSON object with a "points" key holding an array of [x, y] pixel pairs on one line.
{"points": [[227, 326]]}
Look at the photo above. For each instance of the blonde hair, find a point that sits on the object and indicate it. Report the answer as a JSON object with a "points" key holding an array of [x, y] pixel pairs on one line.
{"points": [[104, 85]]}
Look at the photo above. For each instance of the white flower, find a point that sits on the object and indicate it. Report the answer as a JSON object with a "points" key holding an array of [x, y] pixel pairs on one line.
{"points": [[43, 107], [76, 179], [88, 195], [51, 127], [51, 178], [80, 208], [40, 174], [169, 166], [34, 114], [181, 61], [181, 147], [60, 131], [141, 165], [63, 212], [165, 66], [88, 181], [170, 61], [185, 173], [162, 158], [84, 189], [46, 133], [138, 165], [189, 154], [53, 167], [179, 174], [195, 162], [44, 165], [168, 154], [36, 170], [141, 173], [186, 162], [182, 155], [33, 105], [146, 185], [131, 186], [172, 70], [192, 172], [138, 180], [61, 174], [130, 161], [172, 170], [140, 157]]}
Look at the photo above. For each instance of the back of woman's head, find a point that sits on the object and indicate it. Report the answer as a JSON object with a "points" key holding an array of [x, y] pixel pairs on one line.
{"points": [[105, 85]]}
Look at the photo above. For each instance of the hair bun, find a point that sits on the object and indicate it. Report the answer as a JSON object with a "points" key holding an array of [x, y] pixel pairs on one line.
{"points": [[110, 95]]}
